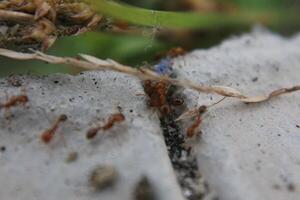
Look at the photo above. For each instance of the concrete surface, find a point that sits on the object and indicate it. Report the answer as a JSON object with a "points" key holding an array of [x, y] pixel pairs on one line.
{"points": [[30, 169], [248, 151]]}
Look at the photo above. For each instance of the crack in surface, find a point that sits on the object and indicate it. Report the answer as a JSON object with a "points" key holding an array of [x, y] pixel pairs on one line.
{"points": [[183, 159], [181, 153]]}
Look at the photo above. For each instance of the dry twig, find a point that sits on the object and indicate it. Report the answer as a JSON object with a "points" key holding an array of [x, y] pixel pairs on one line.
{"points": [[93, 63]]}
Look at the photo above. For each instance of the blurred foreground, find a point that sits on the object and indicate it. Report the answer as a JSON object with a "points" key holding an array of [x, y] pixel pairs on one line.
{"points": [[145, 43]]}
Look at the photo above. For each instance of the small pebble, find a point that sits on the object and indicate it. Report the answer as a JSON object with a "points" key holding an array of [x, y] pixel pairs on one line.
{"points": [[72, 157], [291, 187], [2, 148], [144, 190], [103, 177]]}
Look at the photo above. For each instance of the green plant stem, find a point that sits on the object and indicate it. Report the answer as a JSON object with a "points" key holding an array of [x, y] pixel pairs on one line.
{"points": [[186, 20]]}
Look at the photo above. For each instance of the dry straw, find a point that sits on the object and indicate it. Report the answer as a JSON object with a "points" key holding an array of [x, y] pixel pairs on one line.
{"points": [[42, 22], [92, 63]]}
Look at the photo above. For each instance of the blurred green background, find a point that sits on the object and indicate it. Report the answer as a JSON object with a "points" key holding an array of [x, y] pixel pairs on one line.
{"points": [[137, 48]]}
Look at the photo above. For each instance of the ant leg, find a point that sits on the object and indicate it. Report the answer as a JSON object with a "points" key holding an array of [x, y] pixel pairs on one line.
{"points": [[62, 118], [7, 113], [23, 92], [63, 139]]}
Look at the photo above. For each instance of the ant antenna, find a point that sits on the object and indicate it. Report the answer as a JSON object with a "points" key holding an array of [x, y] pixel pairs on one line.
{"points": [[217, 102], [194, 112]]}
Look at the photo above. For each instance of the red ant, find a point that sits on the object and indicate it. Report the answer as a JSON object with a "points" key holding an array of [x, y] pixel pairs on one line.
{"points": [[157, 91], [14, 101], [115, 118], [171, 53], [47, 135], [161, 96], [198, 114], [191, 130], [175, 52]]}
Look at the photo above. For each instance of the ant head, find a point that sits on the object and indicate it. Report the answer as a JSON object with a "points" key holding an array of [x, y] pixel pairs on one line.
{"points": [[62, 118], [202, 109], [46, 137]]}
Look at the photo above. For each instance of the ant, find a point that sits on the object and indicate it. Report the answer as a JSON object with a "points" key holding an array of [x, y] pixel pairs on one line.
{"points": [[157, 91], [171, 53], [197, 113], [175, 52], [14, 101], [161, 96], [47, 135], [191, 130], [115, 118]]}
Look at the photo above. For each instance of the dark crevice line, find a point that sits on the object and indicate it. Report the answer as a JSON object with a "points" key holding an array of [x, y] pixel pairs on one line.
{"points": [[181, 153], [183, 159]]}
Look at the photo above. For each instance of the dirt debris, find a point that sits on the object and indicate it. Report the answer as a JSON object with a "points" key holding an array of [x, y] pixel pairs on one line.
{"points": [[103, 176], [144, 190], [72, 157]]}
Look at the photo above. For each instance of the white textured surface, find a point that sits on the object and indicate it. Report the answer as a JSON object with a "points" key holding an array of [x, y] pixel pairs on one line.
{"points": [[30, 169], [249, 151]]}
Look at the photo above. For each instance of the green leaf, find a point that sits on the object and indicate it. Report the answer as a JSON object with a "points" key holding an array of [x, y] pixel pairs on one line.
{"points": [[183, 20]]}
